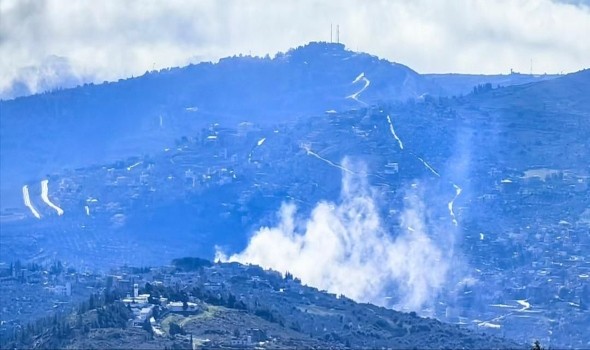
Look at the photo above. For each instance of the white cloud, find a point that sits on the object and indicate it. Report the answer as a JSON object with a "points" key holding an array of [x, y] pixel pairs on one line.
{"points": [[345, 248], [111, 39]]}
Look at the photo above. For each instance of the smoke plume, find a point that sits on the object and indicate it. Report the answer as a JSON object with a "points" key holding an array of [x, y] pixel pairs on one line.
{"points": [[345, 248]]}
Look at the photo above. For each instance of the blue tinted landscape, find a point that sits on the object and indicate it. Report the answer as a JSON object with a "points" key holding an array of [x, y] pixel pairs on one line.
{"points": [[319, 198]]}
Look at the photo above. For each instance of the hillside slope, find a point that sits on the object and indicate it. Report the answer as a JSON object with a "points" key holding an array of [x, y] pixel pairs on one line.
{"points": [[98, 123], [235, 306]]}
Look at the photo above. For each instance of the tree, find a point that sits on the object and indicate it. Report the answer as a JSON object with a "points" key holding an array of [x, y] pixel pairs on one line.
{"points": [[156, 312], [147, 326], [175, 329], [57, 268], [537, 346], [79, 321], [109, 283], [148, 288], [91, 302], [231, 300], [153, 300], [83, 307]]}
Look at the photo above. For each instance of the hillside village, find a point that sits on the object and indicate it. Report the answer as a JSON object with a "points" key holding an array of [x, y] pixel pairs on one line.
{"points": [[196, 304], [205, 172], [521, 219]]}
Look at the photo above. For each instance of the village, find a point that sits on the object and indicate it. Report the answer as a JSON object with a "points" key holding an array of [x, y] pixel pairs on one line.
{"points": [[195, 303], [216, 182]]}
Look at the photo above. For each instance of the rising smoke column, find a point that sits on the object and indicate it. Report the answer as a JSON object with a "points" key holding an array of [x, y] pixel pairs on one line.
{"points": [[343, 247]]}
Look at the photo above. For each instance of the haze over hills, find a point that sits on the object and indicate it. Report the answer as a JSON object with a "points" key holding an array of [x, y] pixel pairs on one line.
{"points": [[327, 163]]}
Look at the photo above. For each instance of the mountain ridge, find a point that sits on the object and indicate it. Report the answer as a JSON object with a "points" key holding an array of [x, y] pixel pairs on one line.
{"points": [[143, 114]]}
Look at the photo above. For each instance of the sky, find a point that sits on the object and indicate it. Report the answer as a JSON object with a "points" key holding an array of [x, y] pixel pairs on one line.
{"points": [[52, 43]]}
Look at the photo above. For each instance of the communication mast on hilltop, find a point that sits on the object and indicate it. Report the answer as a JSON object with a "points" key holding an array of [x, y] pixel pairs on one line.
{"points": [[337, 34]]}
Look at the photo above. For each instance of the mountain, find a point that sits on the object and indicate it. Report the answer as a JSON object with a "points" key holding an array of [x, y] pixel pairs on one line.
{"points": [[472, 208], [98, 123], [564, 94], [463, 84]]}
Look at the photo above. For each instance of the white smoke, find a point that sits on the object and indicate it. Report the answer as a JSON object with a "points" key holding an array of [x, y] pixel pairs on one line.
{"points": [[344, 248]]}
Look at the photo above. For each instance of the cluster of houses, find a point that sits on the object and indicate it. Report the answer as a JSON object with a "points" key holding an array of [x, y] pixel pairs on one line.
{"points": [[32, 291]]}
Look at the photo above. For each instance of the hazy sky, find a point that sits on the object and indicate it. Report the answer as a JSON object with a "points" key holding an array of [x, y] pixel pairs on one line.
{"points": [[44, 43]]}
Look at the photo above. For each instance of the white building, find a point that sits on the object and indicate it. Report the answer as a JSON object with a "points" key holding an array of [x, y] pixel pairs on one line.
{"points": [[142, 314], [65, 291], [139, 301], [178, 307], [391, 168]]}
